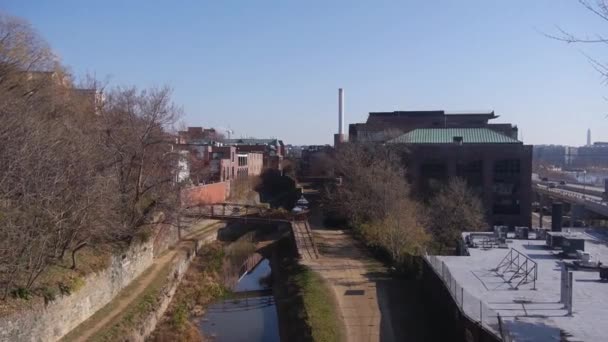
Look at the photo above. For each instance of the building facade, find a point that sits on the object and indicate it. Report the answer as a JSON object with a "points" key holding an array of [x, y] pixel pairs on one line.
{"points": [[255, 164], [197, 134], [211, 160], [555, 155], [273, 150], [594, 155], [383, 126], [496, 165]]}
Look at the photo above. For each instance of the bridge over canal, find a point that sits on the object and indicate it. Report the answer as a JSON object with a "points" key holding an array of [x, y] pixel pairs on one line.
{"points": [[242, 213]]}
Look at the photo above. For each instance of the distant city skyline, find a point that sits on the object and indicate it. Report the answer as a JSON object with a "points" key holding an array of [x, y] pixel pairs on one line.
{"points": [[273, 69]]}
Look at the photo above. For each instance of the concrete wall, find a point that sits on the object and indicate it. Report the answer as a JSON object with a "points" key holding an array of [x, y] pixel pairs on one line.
{"points": [[206, 194], [52, 321], [449, 323]]}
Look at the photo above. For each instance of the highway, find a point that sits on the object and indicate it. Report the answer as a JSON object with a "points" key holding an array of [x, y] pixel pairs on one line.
{"points": [[585, 187], [592, 203], [573, 194]]}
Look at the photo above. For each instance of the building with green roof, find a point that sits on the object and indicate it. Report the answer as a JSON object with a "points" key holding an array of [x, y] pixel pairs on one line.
{"points": [[440, 146]]}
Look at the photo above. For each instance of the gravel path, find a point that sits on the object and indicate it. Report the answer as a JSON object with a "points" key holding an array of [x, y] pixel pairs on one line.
{"points": [[352, 274]]}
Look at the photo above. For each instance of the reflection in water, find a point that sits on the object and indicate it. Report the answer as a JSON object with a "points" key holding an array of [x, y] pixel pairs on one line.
{"points": [[244, 319], [251, 281]]}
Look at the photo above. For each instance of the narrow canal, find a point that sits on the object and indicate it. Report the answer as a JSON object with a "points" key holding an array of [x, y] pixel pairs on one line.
{"points": [[250, 315]]}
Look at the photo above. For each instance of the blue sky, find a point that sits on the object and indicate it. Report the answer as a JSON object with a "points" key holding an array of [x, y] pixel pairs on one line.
{"points": [[272, 68]]}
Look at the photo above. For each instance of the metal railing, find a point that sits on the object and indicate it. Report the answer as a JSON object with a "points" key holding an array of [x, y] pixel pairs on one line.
{"points": [[520, 265], [242, 212], [599, 207], [472, 307]]}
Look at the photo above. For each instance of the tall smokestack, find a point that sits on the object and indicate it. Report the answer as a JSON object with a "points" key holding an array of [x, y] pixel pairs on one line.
{"points": [[588, 136], [340, 111], [339, 137]]}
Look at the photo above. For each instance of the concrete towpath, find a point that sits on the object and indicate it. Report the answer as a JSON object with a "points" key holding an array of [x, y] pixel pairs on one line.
{"points": [[351, 273]]}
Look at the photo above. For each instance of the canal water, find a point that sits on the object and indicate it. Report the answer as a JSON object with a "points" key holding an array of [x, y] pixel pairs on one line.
{"points": [[250, 317]]}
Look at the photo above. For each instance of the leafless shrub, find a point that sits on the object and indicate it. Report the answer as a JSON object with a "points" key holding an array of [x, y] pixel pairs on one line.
{"points": [[373, 179], [453, 210]]}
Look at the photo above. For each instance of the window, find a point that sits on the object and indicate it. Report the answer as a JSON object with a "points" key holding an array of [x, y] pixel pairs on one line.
{"points": [[507, 169], [472, 172], [506, 187], [506, 206]]}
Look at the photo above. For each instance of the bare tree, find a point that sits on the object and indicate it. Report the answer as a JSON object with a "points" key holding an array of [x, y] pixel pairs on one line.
{"points": [[373, 178], [139, 153], [453, 210], [374, 197], [73, 174], [39, 157], [199, 167], [401, 232], [599, 9]]}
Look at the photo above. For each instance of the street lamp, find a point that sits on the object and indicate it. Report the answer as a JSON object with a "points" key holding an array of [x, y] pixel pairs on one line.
{"points": [[302, 202]]}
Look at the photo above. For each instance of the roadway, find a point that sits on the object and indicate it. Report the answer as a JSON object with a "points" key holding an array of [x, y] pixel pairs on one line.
{"points": [[592, 203], [572, 194], [585, 187]]}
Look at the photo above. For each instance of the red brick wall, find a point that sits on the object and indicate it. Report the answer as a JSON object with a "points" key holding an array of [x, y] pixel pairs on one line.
{"points": [[205, 194]]}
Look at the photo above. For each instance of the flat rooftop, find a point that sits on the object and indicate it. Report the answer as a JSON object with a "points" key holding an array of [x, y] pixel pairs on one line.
{"points": [[534, 314]]}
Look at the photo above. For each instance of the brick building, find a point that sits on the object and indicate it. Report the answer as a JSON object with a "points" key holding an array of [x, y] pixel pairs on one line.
{"points": [[223, 162], [255, 164], [273, 150], [228, 159], [197, 134], [488, 156]]}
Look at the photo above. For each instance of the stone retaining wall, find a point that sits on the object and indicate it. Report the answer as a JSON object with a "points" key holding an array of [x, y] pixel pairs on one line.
{"points": [[52, 321], [178, 269]]}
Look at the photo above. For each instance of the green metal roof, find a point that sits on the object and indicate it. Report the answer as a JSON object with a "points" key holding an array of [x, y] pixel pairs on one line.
{"points": [[447, 135]]}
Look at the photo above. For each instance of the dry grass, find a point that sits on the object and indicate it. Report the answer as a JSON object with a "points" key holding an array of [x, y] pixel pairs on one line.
{"points": [[137, 310], [320, 307], [60, 280], [200, 286]]}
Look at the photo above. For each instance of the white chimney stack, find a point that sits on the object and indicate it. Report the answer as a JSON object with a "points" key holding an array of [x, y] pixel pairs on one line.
{"points": [[340, 111]]}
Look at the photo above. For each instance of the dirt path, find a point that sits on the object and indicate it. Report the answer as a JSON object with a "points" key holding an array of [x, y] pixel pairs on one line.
{"points": [[201, 230], [121, 302], [353, 276]]}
